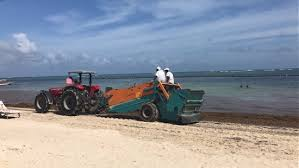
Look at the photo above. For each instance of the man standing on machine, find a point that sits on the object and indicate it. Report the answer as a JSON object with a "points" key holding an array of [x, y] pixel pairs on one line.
{"points": [[160, 75], [169, 76]]}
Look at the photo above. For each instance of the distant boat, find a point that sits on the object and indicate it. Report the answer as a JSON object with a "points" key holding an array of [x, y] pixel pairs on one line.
{"points": [[4, 82]]}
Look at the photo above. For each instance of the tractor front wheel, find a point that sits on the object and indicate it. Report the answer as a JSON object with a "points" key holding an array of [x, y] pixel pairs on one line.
{"points": [[149, 112], [41, 103]]}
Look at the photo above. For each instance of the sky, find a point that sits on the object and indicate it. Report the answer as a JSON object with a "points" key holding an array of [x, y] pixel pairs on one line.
{"points": [[51, 37]]}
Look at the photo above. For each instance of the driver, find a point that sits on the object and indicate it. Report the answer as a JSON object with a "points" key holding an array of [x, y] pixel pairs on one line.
{"points": [[69, 80]]}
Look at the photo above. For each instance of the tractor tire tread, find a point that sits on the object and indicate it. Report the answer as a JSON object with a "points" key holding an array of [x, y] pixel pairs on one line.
{"points": [[47, 105]]}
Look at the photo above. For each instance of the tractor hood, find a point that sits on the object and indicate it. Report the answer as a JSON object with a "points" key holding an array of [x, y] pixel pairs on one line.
{"points": [[56, 91]]}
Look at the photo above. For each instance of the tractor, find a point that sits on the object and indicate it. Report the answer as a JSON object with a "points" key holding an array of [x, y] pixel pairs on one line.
{"points": [[78, 96]]}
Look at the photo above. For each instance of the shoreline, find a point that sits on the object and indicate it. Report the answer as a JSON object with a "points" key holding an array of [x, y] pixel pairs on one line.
{"points": [[215, 104], [229, 117], [217, 109]]}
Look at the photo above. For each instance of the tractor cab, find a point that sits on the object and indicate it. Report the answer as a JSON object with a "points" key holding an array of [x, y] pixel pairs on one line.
{"points": [[82, 80]]}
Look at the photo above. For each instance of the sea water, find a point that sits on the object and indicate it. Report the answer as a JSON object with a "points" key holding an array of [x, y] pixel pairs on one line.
{"points": [[278, 95]]}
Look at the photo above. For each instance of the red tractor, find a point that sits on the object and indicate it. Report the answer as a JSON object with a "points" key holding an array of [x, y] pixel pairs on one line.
{"points": [[79, 95]]}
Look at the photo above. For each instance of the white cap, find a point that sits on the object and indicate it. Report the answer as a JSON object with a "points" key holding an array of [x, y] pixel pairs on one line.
{"points": [[158, 68], [166, 69]]}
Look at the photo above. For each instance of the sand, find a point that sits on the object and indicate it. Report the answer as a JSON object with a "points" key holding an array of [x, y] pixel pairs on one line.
{"points": [[50, 140]]}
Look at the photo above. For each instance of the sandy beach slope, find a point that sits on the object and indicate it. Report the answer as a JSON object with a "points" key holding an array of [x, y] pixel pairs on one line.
{"points": [[50, 140]]}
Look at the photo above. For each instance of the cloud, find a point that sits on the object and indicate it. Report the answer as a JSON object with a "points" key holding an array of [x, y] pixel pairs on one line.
{"points": [[63, 18], [190, 9], [65, 22], [110, 12], [195, 33], [167, 41], [23, 44], [126, 11], [4, 45], [54, 58], [176, 8], [185, 35], [18, 52], [270, 33]]}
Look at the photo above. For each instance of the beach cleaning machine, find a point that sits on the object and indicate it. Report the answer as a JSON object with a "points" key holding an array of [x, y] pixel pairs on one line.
{"points": [[154, 101], [151, 100]]}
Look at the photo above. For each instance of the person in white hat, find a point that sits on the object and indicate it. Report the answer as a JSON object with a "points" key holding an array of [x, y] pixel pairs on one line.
{"points": [[160, 75], [169, 76]]}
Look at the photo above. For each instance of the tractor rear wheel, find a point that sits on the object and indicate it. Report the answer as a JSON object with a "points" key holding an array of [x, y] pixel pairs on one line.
{"points": [[94, 102], [41, 103], [149, 112], [70, 102]]}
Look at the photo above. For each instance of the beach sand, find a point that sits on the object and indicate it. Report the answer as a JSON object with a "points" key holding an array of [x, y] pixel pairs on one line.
{"points": [[50, 140]]}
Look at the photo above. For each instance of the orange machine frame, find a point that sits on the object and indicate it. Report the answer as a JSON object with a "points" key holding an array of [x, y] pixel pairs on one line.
{"points": [[117, 96]]}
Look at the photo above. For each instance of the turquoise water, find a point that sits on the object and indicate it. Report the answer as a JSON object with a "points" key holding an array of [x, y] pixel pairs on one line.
{"points": [[259, 88], [266, 94]]}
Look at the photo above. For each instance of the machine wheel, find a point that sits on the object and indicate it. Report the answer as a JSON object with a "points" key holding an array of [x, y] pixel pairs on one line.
{"points": [[70, 102], [41, 103], [149, 112]]}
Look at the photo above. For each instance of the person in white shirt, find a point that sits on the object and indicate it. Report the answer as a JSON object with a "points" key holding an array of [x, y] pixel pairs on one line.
{"points": [[160, 75], [169, 76]]}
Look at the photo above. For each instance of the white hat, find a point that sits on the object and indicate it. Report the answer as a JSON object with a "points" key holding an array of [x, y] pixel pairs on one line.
{"points": [[166, 69], [158, 68]]}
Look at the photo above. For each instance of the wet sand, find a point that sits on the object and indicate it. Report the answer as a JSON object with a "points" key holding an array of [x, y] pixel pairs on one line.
{"points": [[18, 96], [50, 140]]}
